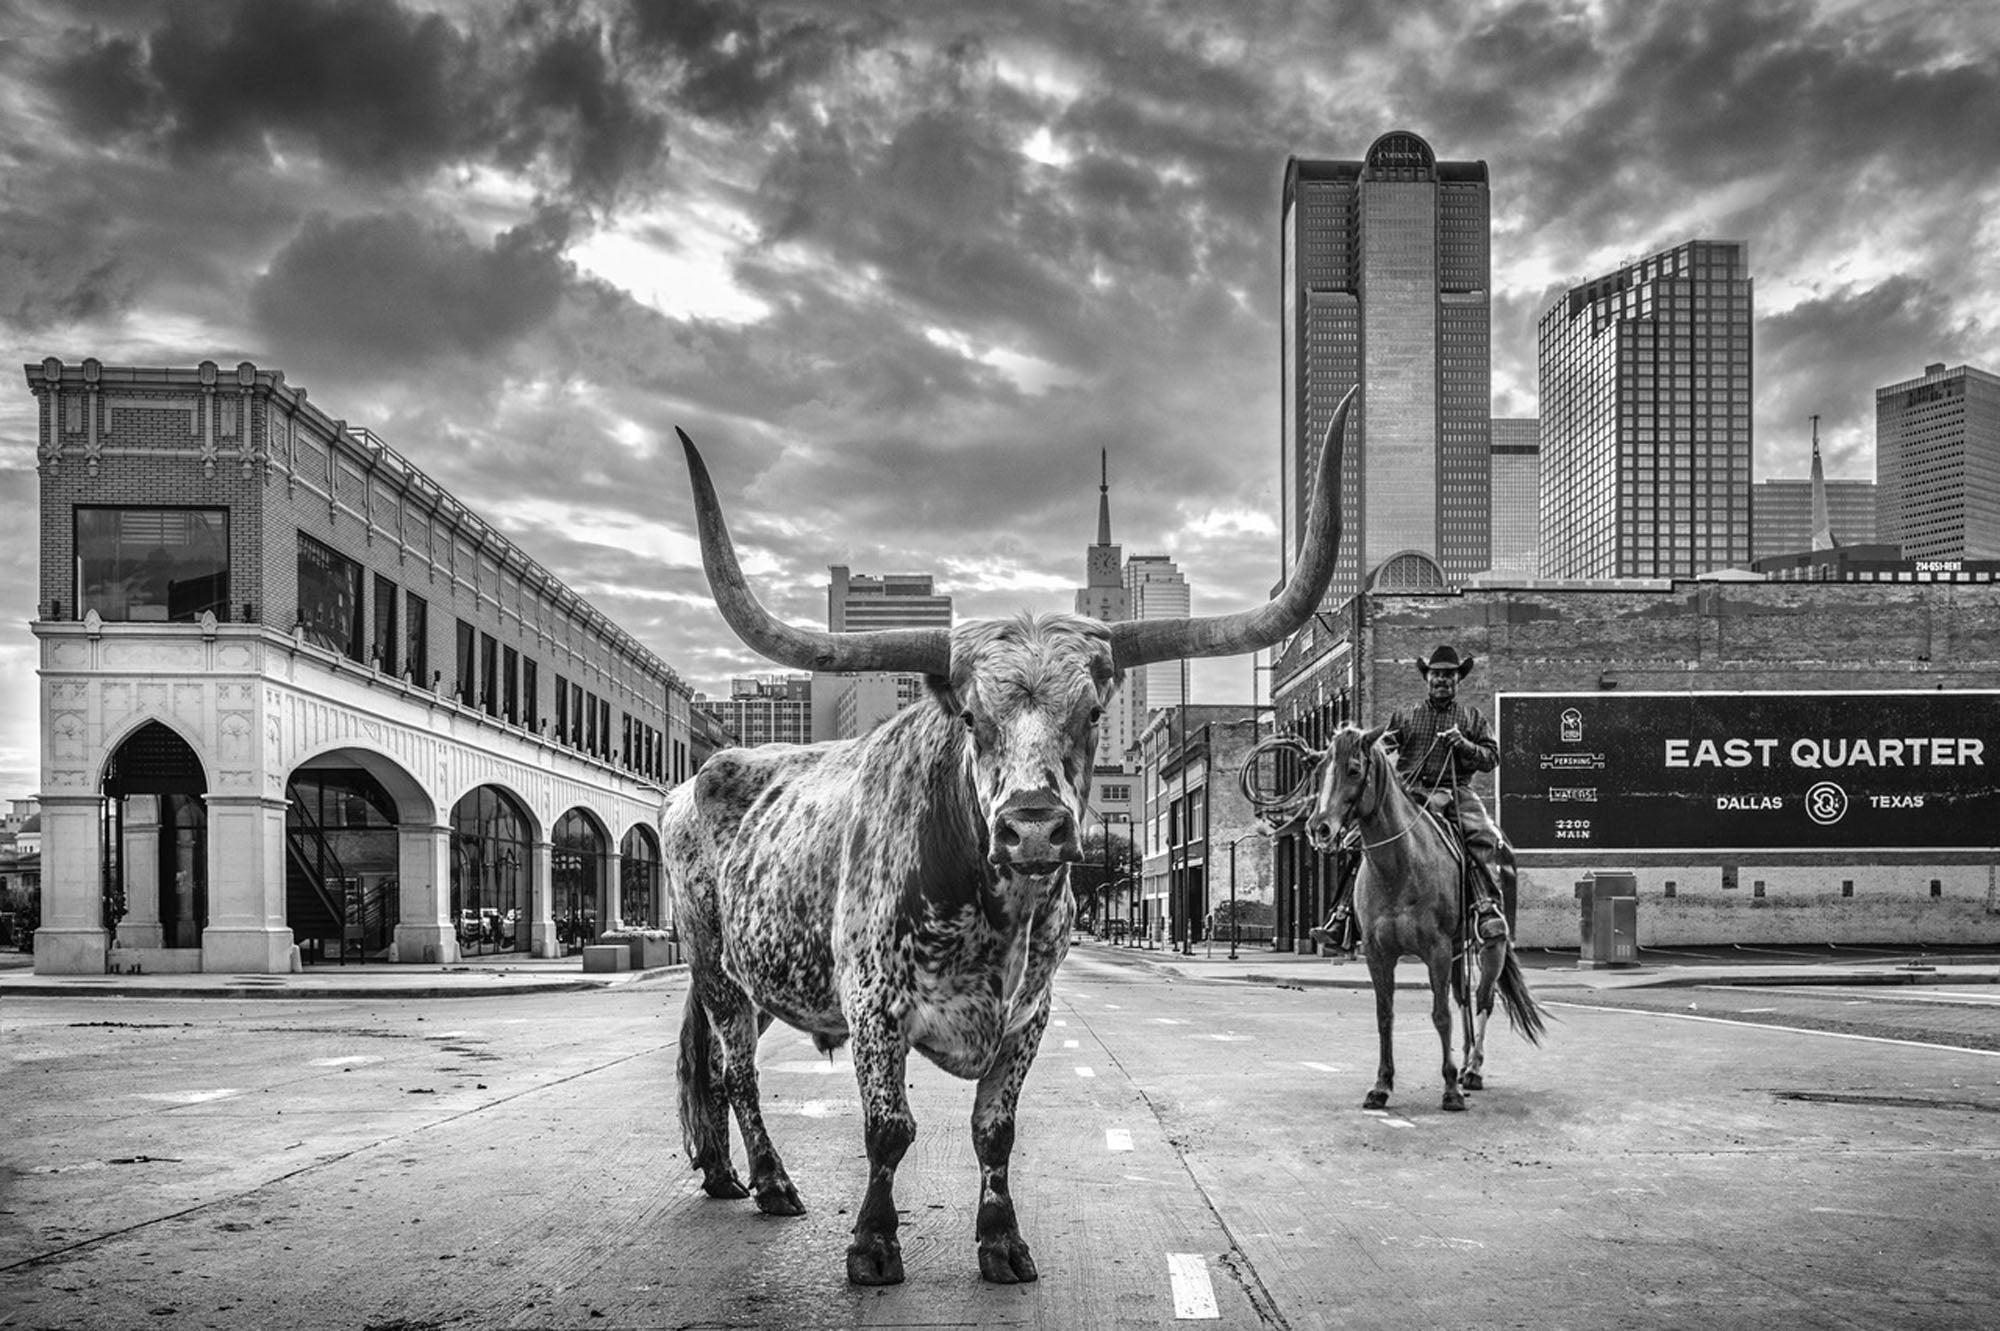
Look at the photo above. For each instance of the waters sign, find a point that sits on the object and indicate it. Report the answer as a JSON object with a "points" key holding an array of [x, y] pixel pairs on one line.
{"points": [[1750, 771]]}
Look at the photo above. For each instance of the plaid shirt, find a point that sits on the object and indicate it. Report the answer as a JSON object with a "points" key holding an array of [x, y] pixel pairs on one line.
{"points": [[1443, 764]]}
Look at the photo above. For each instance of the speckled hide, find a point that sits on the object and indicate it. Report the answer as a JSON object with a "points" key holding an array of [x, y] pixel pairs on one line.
{"points": [[907, 889]]}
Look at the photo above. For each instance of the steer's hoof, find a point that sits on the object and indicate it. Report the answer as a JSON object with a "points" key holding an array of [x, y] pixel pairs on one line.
{"points": [[779, 1197], [1006, 1262], [875, 1260], [723, 1183]]}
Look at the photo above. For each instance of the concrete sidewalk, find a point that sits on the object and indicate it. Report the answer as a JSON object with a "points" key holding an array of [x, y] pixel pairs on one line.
{"points": [[1254, 964]]}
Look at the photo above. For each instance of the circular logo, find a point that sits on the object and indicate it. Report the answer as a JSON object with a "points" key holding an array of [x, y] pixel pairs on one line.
{"points": [[1826, 804]]}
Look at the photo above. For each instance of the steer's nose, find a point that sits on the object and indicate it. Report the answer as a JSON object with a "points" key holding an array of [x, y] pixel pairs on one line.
{"points": [[1033, 834]]}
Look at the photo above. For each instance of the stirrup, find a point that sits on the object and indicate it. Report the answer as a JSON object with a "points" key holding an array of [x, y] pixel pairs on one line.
{"points": [[1489, 922]]}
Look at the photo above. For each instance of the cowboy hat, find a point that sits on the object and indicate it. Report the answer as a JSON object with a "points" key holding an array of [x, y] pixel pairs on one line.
{"points": [[1446, 658]]}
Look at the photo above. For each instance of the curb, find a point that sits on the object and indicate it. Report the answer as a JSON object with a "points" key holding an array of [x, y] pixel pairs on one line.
{"points": [[90, 987]]}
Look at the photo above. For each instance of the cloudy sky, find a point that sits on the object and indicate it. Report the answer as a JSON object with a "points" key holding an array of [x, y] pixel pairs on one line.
{"points": [[904, 270]]}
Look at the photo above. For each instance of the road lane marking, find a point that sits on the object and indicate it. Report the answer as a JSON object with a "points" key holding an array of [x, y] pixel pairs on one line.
{"points": [[188, 1097], [1058, 1022], [1194, 1295], [805, 1068], [1070, 1044], [1322, 1067], [1170, 1021], [1231, 1036], [1778, 1026], [1113, 1007], [1086, 1072], [345, 1060], [1118, 1139]]}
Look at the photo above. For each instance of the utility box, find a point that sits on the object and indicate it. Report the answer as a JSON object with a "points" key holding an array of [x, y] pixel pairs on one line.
{"points": [[1610, 908]]}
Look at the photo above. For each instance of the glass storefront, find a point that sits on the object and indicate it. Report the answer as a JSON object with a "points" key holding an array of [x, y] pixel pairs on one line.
{"points": [[490, 847], [640, 901], [342, 862], [576, 864]]}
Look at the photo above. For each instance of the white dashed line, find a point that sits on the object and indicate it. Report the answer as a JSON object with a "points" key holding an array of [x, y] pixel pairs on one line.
{"points": [[1118, 1139], [1170, 1021], [1069, 1044], [1194, 1296], [344, 1060], [1113, 1007], [1322, 1067], [1230, 1037], [1086, 1072]]}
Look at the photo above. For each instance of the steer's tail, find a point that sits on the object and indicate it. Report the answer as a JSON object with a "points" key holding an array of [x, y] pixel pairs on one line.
{"points": [[704, 1103]]}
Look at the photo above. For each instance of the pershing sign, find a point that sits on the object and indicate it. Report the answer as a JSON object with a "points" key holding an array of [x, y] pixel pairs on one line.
{"points": [[1915, 770]]}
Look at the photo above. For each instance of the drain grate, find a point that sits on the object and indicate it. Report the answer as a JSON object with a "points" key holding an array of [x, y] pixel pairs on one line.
{"points": [[1885, 1101]]}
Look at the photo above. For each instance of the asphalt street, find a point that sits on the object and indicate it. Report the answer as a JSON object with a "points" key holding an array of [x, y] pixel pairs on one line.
{"points": [[1191, 1149]]}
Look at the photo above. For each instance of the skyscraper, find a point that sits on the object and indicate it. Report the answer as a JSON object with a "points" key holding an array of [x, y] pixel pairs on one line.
{"points": [[1937, 464], [1105, 597], [1645, 397], [1387, 275], [1158, 591], [844, 706], [1517, 500]]}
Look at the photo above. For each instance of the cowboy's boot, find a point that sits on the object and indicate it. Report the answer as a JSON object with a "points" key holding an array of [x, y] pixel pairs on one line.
{"points": [[1489, 919]]}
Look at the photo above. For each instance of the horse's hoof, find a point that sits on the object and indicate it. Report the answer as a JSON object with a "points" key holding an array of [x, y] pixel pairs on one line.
{"points": [[724, 1184], [779, 1197], [1006, 1262], [1376, 1100], [1454, 1102], [877, 1260], [1472, 1081]]}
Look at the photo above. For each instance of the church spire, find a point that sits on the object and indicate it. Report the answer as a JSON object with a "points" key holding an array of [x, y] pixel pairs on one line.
{"points": [[1822, 523], [1104, 497]]}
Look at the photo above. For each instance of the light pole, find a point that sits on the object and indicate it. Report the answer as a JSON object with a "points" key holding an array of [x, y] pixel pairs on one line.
{"points": [[1235, 925]]}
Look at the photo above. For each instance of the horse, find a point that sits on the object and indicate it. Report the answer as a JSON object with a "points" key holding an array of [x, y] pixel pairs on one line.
{"points": [[1407, 900]]}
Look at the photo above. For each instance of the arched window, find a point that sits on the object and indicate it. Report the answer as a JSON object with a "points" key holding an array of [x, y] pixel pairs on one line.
{"points": [[639, 874], [491, 840], [576, 870]]}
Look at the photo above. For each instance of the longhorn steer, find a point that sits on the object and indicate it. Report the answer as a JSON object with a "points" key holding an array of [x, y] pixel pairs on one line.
{"points": [[909, 888]]}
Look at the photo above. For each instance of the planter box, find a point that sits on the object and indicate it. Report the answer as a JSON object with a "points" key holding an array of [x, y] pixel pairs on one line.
{"points": [[649, 948]]}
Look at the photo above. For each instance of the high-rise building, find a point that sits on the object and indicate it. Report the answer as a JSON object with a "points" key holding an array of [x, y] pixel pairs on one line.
{"points": [[894, 601], [847, 705], [1387, 279], [762, 709], [1105, 597], [1516, 481], [1645, 399], [1791, 516], [1937, 464], [1158, 591]]}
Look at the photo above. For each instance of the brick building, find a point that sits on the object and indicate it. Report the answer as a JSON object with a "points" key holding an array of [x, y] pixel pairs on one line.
{"points": [[1699, 641], [1191, 811], [297, 696]]}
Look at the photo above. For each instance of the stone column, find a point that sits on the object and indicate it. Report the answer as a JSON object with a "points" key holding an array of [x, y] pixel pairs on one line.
{"points": [[424, 928], [541, 899], [614, 894], [141, 860], [246, 929], [71, 938]]}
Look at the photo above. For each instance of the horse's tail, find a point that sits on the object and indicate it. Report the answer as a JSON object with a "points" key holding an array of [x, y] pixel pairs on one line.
{"points": [[704, 1107], [1522, 1012]]}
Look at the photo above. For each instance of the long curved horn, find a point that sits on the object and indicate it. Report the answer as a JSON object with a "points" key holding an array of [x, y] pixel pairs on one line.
{"points": [[903, 650], [1137, 642]]}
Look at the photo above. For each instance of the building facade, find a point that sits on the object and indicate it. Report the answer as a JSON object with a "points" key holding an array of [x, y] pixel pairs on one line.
{"points": [[1387, 280], [1782, 519], [847, 705], [764, 709], [297, 698], [1690, 642], [1937, 463], [1516, 480], [1645, 382], [1200, 842]]}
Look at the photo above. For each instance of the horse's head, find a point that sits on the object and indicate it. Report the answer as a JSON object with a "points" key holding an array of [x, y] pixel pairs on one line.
{"points": [[1353, 777]]}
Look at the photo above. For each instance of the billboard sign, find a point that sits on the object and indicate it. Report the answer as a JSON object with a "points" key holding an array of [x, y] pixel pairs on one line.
{"points": [[1900, 770]]}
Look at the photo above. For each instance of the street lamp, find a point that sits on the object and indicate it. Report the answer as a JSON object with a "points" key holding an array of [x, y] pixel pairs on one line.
{"points": [[1235, 924]]}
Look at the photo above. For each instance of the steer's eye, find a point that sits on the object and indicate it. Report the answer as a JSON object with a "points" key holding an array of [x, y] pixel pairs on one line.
{"points": [[966, 716], [1096, 715]]}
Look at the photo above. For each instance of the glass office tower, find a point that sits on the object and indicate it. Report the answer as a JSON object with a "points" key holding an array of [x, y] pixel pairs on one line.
{"points": [[1645, 398], [1387, 271]]}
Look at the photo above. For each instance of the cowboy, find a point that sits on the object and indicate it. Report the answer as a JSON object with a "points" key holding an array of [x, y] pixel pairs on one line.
{"points": [[1440, 745]]}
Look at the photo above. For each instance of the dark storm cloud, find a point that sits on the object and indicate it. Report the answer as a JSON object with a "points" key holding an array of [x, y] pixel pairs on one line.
{"points": [[734, 64], [373, 88], [391, 289]]}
